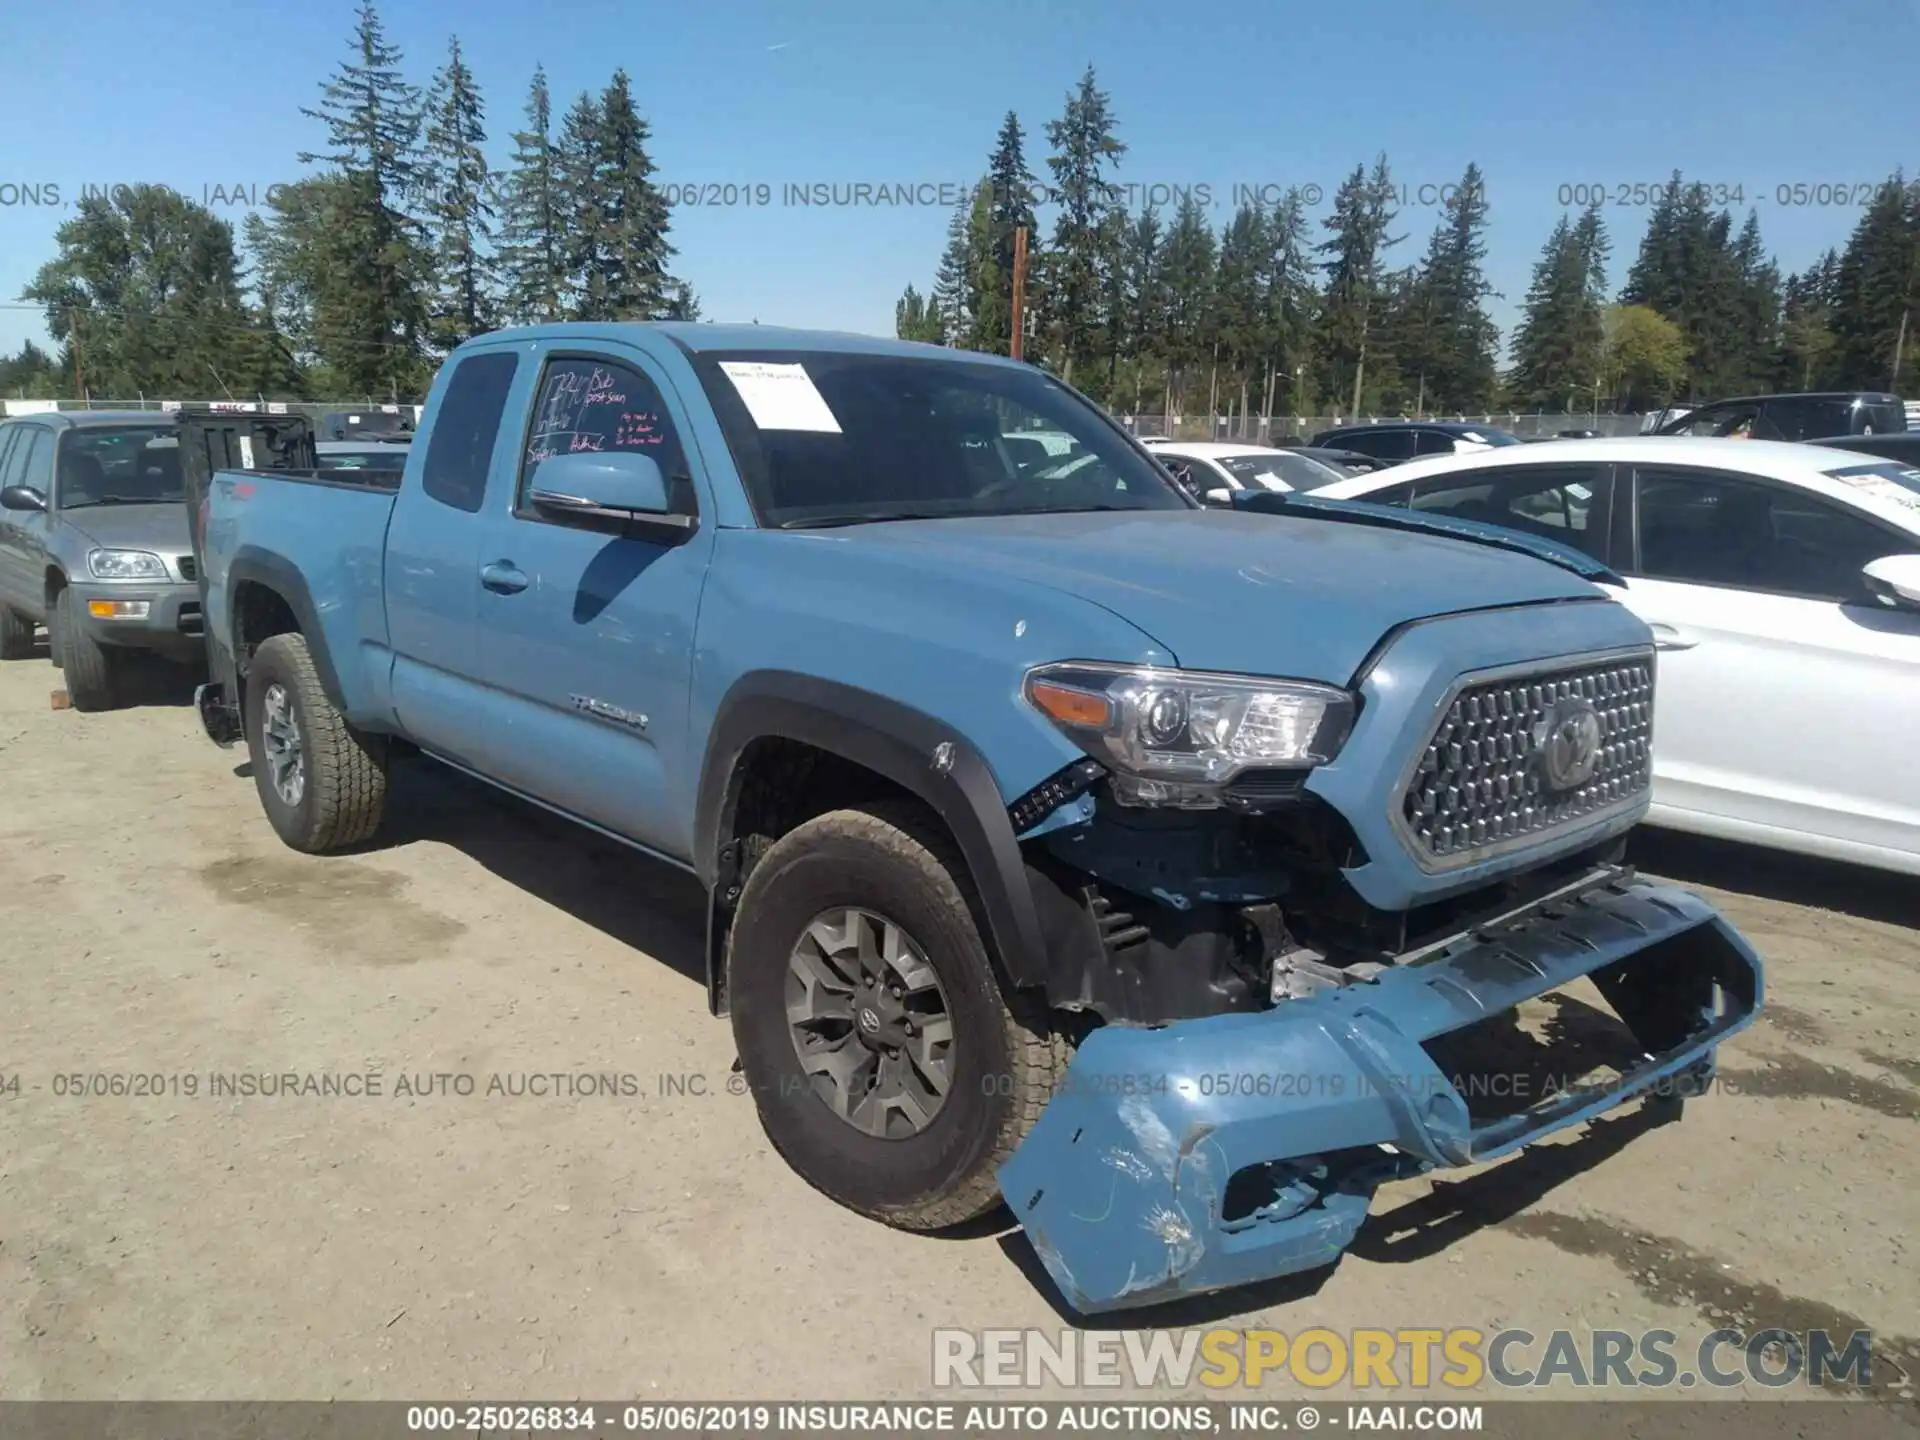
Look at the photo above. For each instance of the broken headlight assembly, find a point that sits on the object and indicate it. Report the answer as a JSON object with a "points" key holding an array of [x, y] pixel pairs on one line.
{"points": [[1178, 738]]}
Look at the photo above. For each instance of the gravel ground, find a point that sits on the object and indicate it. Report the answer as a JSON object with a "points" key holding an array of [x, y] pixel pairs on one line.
{"points": [[651, 1245]]}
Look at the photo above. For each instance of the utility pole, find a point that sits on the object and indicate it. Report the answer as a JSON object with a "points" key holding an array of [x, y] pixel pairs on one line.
{"points": [[1016, 342], [79, 361], [1899, 347]]}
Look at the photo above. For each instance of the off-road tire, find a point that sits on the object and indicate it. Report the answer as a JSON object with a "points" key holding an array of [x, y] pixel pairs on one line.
{"points": [[346, 775], [92, 671], [894, 859], [16, 635]]}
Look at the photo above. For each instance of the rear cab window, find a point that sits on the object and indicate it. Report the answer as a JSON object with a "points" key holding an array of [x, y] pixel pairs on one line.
{"points": [[460, 449]]}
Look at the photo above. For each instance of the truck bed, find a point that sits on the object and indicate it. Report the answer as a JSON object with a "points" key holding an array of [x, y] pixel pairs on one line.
{"points": [[325, 529]]}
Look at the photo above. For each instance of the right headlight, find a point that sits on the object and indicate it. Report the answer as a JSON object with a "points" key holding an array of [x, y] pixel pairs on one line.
{"points": [[125, 565], [1179, 737]]}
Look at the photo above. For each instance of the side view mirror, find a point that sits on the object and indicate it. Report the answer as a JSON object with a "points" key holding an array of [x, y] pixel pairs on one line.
{"points": [[1221, 498], [615, 484], [22, 497], [1895, 579]]}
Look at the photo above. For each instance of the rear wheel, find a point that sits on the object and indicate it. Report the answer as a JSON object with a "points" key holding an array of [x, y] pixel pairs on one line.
{"points": [[887, 1067], [92, 671], [322, 783], [16, 635]]}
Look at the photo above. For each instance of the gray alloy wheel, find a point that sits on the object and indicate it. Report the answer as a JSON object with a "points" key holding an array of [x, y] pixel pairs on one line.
{"points": [[870, 1023], [281, 740]]}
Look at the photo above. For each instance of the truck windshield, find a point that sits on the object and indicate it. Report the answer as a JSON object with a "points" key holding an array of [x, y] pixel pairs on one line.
{"points": [[114, 465], [839, 438]]}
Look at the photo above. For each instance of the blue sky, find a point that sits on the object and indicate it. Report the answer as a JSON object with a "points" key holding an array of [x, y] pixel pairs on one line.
{"points": [[750, 93]]}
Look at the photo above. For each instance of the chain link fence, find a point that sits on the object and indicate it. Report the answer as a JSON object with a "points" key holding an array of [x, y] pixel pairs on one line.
{"points": [[1299, 429], [312, 409]]}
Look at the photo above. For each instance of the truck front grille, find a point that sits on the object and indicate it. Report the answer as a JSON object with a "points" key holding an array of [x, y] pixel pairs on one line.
{"points": [[1483, 786]]}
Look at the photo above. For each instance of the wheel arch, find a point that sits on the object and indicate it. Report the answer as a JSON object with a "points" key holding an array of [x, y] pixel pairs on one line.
{"points": [[910, 751], [266, 596]]}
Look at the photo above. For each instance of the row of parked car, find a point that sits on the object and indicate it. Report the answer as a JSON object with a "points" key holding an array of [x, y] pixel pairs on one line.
{"points": [[1781, 578]]}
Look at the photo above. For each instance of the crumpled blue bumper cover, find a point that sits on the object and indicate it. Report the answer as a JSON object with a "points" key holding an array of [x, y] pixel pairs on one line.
{"points": [[1120, 1185]]}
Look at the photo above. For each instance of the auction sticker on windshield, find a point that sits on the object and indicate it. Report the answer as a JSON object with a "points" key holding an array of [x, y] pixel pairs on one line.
{"points": [[781, 397]]}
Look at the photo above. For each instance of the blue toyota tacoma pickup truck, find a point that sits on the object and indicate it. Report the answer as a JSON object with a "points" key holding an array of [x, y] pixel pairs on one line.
{"points": [[1151, 867]]}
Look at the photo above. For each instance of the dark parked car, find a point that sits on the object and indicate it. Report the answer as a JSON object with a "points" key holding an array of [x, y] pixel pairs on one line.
{"points": [[1904, 447], [385, 422], [1794, 417], [1351, 461], [1397, 440]]}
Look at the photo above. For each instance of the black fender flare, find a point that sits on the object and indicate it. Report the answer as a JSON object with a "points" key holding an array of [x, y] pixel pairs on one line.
{"points": [[924, 756], [253, 565]]}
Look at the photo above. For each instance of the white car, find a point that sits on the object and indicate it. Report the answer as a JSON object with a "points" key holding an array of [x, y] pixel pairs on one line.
{"points": [[1782, 584], [1207, 468]]}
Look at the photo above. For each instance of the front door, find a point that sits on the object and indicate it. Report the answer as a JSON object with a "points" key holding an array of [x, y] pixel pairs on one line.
{"points": [[432, 565], [23, 533], [1786, 693], [589, 624]]}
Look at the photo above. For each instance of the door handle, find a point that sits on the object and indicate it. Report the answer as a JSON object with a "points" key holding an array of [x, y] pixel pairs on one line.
{"points": [[1672, 637], [503, 578]]}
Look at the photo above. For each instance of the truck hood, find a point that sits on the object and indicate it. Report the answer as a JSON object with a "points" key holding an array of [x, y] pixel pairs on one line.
{"points": [[1259, 594], [159, 528]]}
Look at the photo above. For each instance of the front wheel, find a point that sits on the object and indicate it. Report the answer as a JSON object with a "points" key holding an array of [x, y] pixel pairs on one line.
{"points": [[322, 783], [92, 671], [888, 1069]]}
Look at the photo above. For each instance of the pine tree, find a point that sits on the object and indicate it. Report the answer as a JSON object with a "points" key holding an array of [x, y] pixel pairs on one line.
{"points": [[1757, 310], [1362, 215], [576, 163], [954, 300], [1806, 327], [533, 221], [1557, 349], [1146, 301], [632, 248], [1457, 340], [461, 205], [1082, 248], [1876, 287], [914, 318], [1287, 302], [1190, 258], [1011, 189], [1237, 308], [373, 122]]}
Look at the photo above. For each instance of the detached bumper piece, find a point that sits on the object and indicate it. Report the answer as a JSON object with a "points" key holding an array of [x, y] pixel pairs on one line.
{"points": [[1217, 1152]]}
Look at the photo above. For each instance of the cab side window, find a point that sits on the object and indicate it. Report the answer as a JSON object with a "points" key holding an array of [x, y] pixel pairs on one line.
{"points": [[603, 405]]}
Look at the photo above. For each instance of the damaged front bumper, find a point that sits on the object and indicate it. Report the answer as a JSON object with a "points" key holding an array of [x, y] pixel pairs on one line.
{"points": [[1212, 1153]]}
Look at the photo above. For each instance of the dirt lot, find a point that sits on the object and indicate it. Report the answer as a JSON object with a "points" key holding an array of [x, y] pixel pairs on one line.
{"points": [[540, 1246]]}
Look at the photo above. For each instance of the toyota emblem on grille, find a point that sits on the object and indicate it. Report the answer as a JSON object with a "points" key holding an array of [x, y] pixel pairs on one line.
{"points": [[1567, 742]]}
